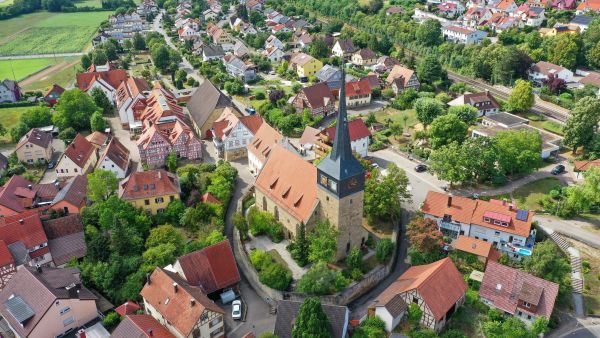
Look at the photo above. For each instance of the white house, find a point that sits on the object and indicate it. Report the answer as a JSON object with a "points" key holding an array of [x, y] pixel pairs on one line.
{"points": [[79, 158], [244, 70], [273, 41], [464, 35], [187, 33], [115, 158], [130, 97], [359, 136], [343, 48], [274, 54], [9, 91], [540, 72], [231, 134], [485, 102]]}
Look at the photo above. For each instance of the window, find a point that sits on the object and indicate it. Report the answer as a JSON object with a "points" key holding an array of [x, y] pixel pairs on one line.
{"points": [[215, 322], [497, 233], [171, 198], [65, 310], [527, 305], [159, 200], [68, 321], [75, 169], [146, 202]]}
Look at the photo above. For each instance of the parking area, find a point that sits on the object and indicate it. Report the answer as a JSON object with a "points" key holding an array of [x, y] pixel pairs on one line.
{"points": [[256, 316], [59, 149]]}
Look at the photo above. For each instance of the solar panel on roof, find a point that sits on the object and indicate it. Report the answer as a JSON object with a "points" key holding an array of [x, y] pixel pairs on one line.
{"points": [[20, 310], [522, 215]]}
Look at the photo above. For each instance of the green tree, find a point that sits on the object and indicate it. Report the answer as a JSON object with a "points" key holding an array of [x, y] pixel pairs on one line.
{"points": [[548, 262], [165, 234], [429, 70], [354, 259], [311, 322], [86, 62], [384, 194], [67, 135], [429, 33], [428, 109], [18, 131], [37, 117], [371, 327], [301, 246], [323, 242], [111, 320], [97, 122], [582, 123], [74, 109], [465, 112], [99, 57], [383, 250], [564, 51], [521, 98], [321, 280], [518, 150], [318, 49], [424, 235], [159, 255], [138, 42], [448, 164], [161, 57], [414, 314], [102, 101], [446, 129], [171, 162], [101, 185]]}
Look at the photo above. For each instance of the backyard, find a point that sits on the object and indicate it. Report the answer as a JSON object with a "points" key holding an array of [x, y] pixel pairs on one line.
{"points": [[528, 196], [47, 33], [9, 117]]}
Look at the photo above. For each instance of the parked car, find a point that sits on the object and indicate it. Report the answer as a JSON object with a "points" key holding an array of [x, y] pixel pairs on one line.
{"points": [[421, 168], [236, 309], [250, 111], [51, 164], [374, 165], [558, 169]]}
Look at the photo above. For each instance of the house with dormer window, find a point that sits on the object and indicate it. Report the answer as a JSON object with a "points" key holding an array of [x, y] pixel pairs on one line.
{"points": [[485, 102], [150, 190], [79, 158]]}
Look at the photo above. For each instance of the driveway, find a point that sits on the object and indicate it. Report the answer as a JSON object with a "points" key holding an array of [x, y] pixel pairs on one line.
{"points": [[125, 138], [258, 318], [59, 149]]}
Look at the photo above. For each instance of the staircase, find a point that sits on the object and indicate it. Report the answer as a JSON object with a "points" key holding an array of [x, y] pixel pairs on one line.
{"points": [[575, 260]]}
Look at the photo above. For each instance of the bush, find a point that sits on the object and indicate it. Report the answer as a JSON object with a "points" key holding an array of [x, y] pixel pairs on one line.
{"points": [[263, 223], [239, 221], [354, 260], [270, 273], [111, 320], [320, 280], [260, 96], [383, 250]]}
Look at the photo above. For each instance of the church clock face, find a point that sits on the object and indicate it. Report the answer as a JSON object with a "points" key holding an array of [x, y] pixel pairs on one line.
{"points": [[353, 183]]}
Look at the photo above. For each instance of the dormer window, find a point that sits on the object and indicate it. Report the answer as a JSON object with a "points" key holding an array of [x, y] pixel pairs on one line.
{"points": [[332, 185]]}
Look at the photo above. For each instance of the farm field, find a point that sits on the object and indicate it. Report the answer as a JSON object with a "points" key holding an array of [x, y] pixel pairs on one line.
{"points": [[10, 117], [62, 73], [47, 33], [25, 67]]}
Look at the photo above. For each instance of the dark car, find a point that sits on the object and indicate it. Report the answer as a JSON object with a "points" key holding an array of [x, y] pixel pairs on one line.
{"points": [[558, 169], [251, 111], [51, 164], [421, 168]]}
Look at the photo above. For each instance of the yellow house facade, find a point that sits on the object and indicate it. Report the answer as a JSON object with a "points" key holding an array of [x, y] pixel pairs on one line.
{"points": [[151, 190], [305, 65]]}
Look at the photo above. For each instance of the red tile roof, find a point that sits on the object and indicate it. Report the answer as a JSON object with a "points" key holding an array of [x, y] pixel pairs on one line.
{"points": [[30, 231], [140, 326], [74, 192], [289, 181], [128, 308], [440, 285], [144, 184], [399, 72], [357, 128], [14, 194], [361, 87], [186, 304], [586, 165], [111, 77], [5, 256], [592, 5], [503, 286], [212, 268], [264, 140], [80, 150], [97, 138], [229, 120], [117, 153], [210, 198], [474, 246]]}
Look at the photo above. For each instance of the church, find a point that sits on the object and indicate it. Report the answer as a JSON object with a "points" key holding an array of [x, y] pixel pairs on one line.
{"points": [[296, 192]]}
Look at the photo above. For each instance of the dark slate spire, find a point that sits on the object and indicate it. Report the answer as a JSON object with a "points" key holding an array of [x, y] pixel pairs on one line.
{"points": [[341, 163]]}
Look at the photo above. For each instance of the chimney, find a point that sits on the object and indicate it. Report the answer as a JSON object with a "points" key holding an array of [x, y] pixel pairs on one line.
{"points": [[57, 185], [159, 175], [150, 333], [449, 200], [148, 279], [38, 268], [174, 287], [21, 221], [29, 186], [192, 302], [81, 333], [511, 207], [504, 201]]}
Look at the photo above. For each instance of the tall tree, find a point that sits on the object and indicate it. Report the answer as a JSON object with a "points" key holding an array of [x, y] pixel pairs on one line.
{"points": [[428, 109], [97, 122], [521, 98], [449, 164], [86, 61], [323, 242], [446, 129], [429, 69], [37, 117], [99, 57], [518, 150], [161, 58], [74, 109], [102, 101], [138, 42], [465, 112], [582, 123], [311, 322], [424, 235], [429, 33], [101, 185], [384, 194]]}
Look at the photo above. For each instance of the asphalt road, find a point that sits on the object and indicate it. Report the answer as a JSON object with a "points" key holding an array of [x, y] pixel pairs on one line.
{"points": [[584, 332]]}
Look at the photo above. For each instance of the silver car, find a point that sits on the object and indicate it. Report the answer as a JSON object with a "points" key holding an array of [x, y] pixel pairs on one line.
{"points": [[236, 309]]}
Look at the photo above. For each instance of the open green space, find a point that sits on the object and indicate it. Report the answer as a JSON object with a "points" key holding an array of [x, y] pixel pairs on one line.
{"points": [[47, 33], [89, 3], [5, 3], [392, 115], [62, 77], [20, 69], [9, 117], [528, 196]]}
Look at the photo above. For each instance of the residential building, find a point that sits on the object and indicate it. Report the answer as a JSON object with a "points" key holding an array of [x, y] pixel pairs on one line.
{"points": [[254, 5], [19, 194], [212, 52], [98, 140], [302, 39], [66, 239], [311, 137], [232, 133], [539, 3], [540, 72], [130, 100], [564, 4], [151, 190], [206, 105], [485, 102], [220, 36], [260, 147], [115, 158], [506, 6], [364, 57], [476, 15], [530, 16], [273, 41], [147, 7], [316, 98], [188, 312], [422, 16], [588, 6], [188, 32], [582, 21], [107, 80], [46, 302], [247, 29], [305, 65], [296, 192], [479, 248], [517, 293], [359, 138], [140, 326], [35, 146], [10, 91], [332, 76], [71, 198], [401, 78], [358, 93], [494, 124], [464, 35], [437, 288], [243, 70], [498, 222], [213, 269], [344, 48], [25, 238], [287, 311], [80, 157], [210, 14], [450, 9], [559, 29], [394, 10], [385, 64], [125, 26], [240, 50], [7, 265], [583, 166], [53, 94], [274, 54], [128, 308], [592, 79]]}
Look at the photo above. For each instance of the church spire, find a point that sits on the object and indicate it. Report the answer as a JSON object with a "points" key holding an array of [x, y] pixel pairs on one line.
{"points": [[341, 145]]}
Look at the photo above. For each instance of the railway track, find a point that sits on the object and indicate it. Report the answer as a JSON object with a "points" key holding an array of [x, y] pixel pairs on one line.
{"points": [[540, 107]]}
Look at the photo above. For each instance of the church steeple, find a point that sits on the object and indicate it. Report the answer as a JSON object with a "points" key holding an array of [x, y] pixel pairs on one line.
{"points": [[340, 172]]}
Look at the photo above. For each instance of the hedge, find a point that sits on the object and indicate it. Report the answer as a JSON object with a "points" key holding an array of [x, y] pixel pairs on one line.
{"points": [[263, 223], [271, 273]]}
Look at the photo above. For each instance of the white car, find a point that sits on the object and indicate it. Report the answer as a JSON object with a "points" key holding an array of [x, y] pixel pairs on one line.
{"points": [[236, 309]]}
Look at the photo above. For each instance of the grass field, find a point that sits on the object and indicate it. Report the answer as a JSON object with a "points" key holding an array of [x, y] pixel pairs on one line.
{"points": [[6, 3], [10, 117], [47, 33], [89, 3], [62, 76], [529, 195], [23, 68], [395, 115]]}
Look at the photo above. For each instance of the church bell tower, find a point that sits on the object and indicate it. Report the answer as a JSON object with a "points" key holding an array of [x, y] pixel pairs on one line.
{"points": [[341, 183]]}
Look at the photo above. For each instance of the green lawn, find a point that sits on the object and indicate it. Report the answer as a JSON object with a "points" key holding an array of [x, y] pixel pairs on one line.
{"points": [[397, 116], [529, 195], [23, 68], [62, 77], [47, 33], [89, 3], [10, 117], [6, 3]]}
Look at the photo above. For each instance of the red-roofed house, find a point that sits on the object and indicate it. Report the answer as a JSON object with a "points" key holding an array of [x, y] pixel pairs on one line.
{"points": [[358, 93], [72, 197], [182, 308], [151, 190], [25, 237], [140, 326], [582, 166], [115, 158], [7, 264], [212, 269], [261, 145], [588, 6], [359, 138], [52, 95], [507, 228], [80, 157], [232, 133], [317, 98], [130, 101], [19, 194], [128, 308], [518, 293], [108, 81], [481, 249], [437, 288], [209, 198]]}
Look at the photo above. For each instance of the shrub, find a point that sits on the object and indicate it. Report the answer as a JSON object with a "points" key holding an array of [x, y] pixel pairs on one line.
{"points": [[260, 96], [111, 320], [354, 260], [239, 221], [270, 273], [320, 280], [263, 223], [383, 250]]}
